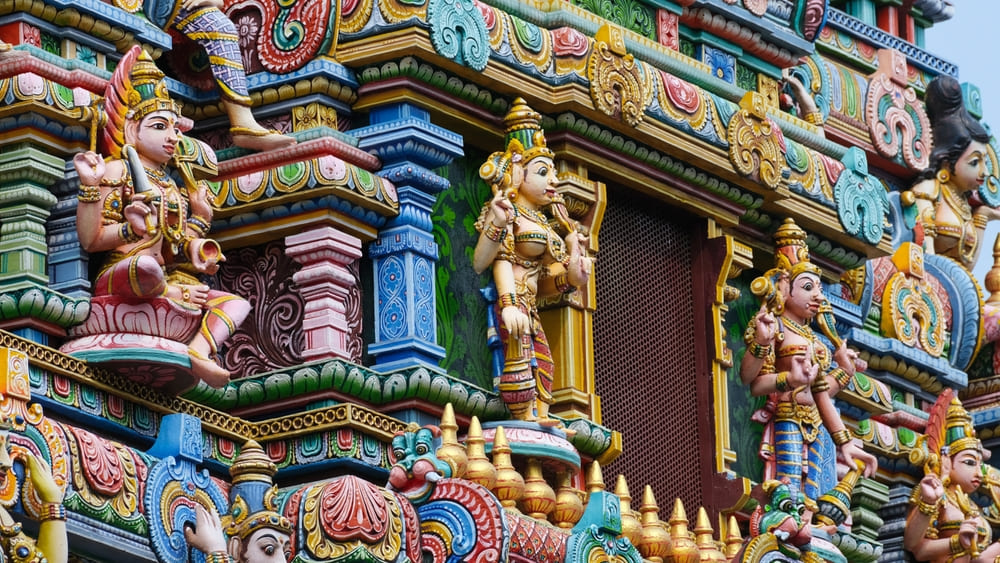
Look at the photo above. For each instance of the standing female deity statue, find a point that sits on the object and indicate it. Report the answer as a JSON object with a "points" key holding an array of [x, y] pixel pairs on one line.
{"points": [[945, 205], [786, 361], [529, 258], [152, 230], [944, 525]]}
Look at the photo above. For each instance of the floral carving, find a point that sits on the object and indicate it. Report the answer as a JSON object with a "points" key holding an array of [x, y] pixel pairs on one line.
{"points": [[666, 29], [272, 337], [913, 314]]}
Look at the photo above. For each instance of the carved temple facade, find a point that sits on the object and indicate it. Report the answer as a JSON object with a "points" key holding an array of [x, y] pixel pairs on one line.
{"points": [[678, 146]]}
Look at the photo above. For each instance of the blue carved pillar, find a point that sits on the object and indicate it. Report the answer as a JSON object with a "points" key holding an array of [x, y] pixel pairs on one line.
{"points": [[405, 255]]}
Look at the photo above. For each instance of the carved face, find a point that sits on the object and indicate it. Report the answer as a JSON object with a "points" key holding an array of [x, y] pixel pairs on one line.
{"points": [[970, 169], [155, 138], [538, 186], [967, 470], [264, 546], [417, 466], [804, 297]]}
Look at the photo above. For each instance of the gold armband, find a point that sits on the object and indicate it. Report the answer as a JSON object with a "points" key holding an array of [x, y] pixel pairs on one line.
{"points": [[759, 351], [52, 511], [781, 381]]}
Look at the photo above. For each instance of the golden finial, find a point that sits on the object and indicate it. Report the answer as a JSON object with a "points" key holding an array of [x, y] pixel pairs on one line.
{"points": [[708, 549], [451, 452], [538, 499], [478, 469], [631, 528], [682, 547], [654, 541], [595, 479], [733, 539], [569, 506], [509, 486], [993, 276]]}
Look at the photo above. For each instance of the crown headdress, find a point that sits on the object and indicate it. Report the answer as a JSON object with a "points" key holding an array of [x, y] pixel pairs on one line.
{"points": [[791, 253], [136, 89], [252, 496], [524, 141]]}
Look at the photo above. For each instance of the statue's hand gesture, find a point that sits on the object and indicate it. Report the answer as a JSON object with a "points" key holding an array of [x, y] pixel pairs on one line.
{"points": [[136, 213], [766, 325], [41, 479], [501, 210], [206, 533], [201, 202], [846, 358], [802, 372], [517, 322], [931, 489], [89, 167]]}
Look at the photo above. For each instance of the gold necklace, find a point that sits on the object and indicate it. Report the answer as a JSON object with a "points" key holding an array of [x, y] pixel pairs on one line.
{"points": [[800, 329], [958, 204]]}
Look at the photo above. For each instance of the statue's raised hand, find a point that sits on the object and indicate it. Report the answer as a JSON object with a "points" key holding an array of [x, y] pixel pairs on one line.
{"points": [[41, 479], [766, 325], [201, 202], [501, 210], [89, 167], [802, 372], [931, 488], [140, 215]]}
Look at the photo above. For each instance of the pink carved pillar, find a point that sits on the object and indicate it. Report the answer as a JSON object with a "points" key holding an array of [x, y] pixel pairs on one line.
{"points": [[324, 282]]}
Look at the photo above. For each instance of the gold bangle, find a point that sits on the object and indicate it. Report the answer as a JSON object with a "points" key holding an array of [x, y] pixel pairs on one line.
{"points": [[88, 194], [562, 283], [955, 545], [508, 300], [820, 384], [128, 234], [980, 221], [52, 511], [841, 437], [841, 377], [217, 557], [757, 350], [927, 508], [781, 381], [494, 233], [814, 117]]}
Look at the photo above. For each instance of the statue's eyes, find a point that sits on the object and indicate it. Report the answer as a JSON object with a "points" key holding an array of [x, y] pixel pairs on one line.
{"points": [[422, 449], [785, 506], [399, 453]]}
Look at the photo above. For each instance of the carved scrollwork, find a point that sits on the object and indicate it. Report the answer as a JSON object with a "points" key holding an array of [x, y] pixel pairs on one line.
{"points": [[458, 32], [756, 145], [913, 314], [618, 86], [862, 204], [896, 119]]}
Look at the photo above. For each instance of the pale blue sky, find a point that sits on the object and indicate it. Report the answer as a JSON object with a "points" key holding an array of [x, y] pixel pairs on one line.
{"points": [[967, 40]]}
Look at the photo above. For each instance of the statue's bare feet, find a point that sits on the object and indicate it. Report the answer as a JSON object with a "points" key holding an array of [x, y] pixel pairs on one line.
{"points": [[207, 370], [259, 139]]}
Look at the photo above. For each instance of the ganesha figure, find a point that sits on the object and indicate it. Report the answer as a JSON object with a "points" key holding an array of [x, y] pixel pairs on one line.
{"points": [[944, 525], [152, 232], [530, 259], [787, 362], [945, 208]]}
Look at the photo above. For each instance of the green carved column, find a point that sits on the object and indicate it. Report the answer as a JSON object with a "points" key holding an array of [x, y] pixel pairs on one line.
{"points": [[26, 172]]}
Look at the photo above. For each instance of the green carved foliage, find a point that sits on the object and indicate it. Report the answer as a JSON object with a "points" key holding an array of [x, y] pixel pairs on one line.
{"points": [[461, 310], [744, 434]]}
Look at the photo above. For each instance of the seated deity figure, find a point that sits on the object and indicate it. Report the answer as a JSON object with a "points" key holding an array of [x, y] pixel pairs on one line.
{"points": [[52, 545], [257, 533], [203, 22], [944, 206], [529, 258], [944, 525], [787, 362], [152, 230]]}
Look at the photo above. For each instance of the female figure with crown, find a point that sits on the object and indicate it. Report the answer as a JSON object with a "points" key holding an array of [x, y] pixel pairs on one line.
{"points": [[787, 361], [154, 231], [529, 258], [946, 204], [943, 524]]}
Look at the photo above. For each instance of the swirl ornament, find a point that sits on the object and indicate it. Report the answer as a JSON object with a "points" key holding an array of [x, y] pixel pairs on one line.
{"points": [[809, 18], [862, 204], [593, 545], [463, 521], [174, 487], [756, 145], [989, 191], [618, 86], [913, 314], [299, 29], [458, 32], [896, 120]]}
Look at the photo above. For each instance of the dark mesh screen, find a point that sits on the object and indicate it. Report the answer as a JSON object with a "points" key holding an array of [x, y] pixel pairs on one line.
{"points": [[644, 356]]}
